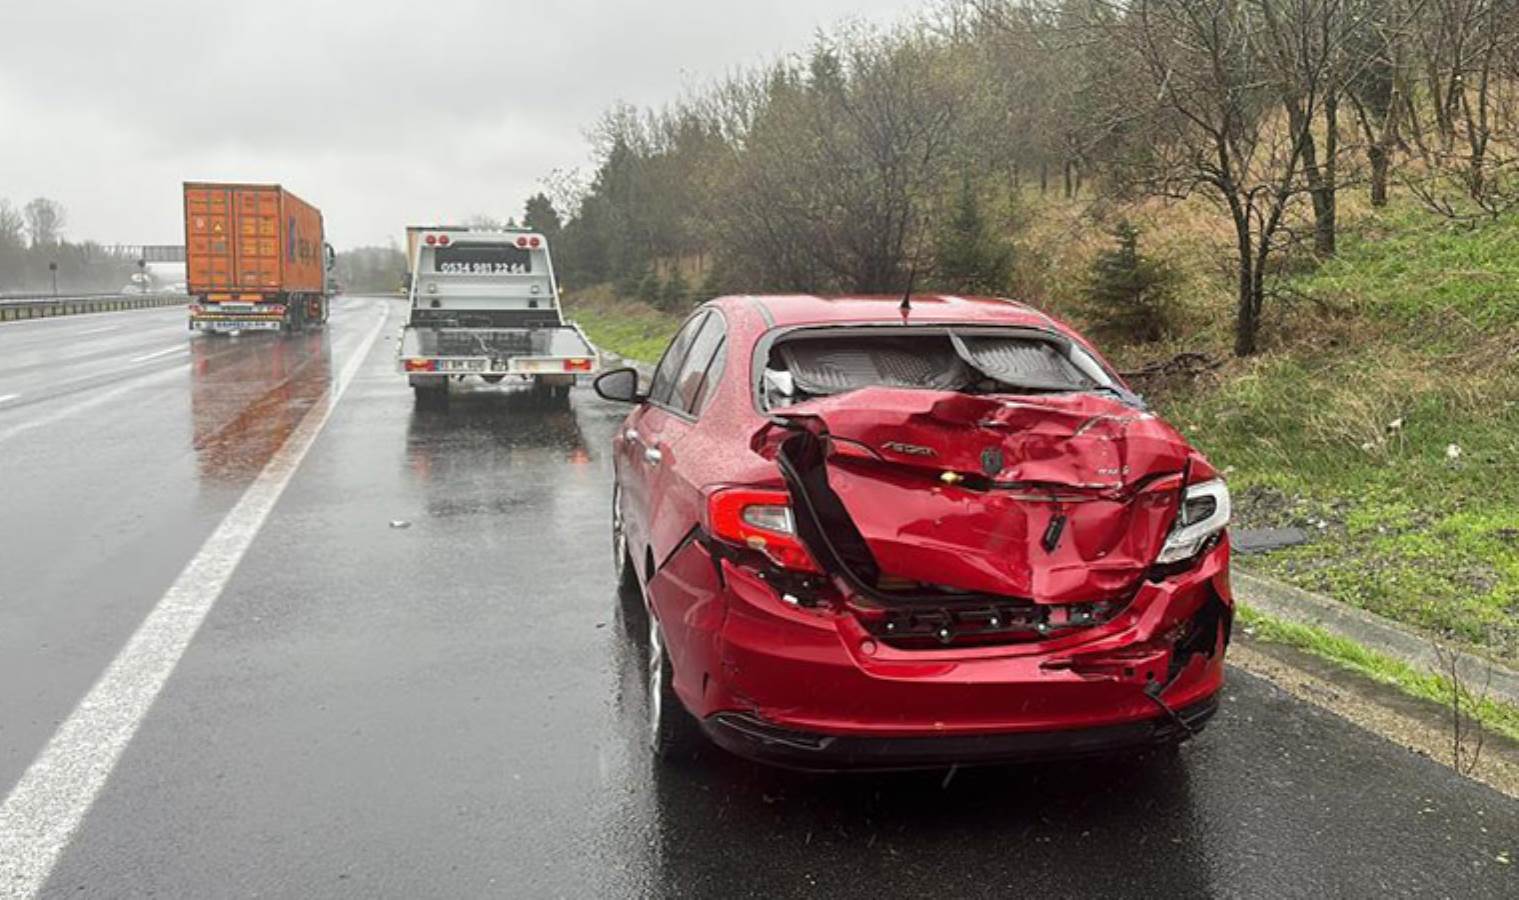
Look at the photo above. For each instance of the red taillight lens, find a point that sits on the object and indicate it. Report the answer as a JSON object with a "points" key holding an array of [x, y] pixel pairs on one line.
{"points": [[533, 242], [577, 365], [442, 240], [421, 365], [431, 239], [760, 520]]}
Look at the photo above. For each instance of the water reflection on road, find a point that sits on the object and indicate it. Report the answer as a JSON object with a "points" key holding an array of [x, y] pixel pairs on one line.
{"points": [[248, 393]]}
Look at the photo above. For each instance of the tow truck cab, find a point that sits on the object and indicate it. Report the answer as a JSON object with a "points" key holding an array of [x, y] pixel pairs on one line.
{"points": [[486, 303]]}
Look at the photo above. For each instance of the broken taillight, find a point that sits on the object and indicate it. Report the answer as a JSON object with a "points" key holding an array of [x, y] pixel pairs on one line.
{"points": [[761, 520]]}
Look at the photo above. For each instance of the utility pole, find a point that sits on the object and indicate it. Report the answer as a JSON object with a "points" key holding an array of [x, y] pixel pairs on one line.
{"points": [[53, 267]]}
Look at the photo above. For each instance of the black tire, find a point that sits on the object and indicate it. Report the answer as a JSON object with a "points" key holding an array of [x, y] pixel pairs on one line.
{"points": [[674, 735], [622, 560], [432, 396]]}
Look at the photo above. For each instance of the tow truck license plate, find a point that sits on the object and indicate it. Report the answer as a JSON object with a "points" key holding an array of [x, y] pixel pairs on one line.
{"points": [[463, 365]]}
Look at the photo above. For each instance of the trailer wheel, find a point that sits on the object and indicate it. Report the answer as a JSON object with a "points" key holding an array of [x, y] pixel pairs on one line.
{"points": [[431, 393], [554, 396]]}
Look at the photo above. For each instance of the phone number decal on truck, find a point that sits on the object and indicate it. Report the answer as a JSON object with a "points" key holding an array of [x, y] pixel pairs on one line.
{"points": [[483, 268]]}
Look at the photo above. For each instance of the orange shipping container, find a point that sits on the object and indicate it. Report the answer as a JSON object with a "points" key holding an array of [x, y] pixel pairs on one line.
{"points": [[252, 238]]}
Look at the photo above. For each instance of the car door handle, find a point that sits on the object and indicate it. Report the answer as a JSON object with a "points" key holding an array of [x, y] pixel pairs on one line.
{"points": [[652, 456]]}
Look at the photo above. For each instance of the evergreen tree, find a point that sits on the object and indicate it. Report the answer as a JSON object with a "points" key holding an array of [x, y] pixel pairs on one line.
{"points": [[631, 284], [649, 288], [541, 216], [969, 257], [676, 295], [1127, 293]]}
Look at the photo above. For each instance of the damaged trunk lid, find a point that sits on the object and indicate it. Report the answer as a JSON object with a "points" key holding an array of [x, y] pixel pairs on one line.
{"points": [[923, 494]]}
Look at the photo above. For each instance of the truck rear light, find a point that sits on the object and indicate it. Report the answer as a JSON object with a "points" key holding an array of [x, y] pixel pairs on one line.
{"points": [[421, 365], [521, 242], [442, 240], [577, 365], [761, 520], [533, 242], [431, 239]]}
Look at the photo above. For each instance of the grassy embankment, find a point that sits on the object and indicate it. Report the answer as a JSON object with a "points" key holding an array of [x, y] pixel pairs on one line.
{"points": [[1383, 417], [1387, 424]]}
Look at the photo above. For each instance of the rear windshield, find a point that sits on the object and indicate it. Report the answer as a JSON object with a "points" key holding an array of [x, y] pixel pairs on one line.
{"points": [[482, 259], [813, 364]]}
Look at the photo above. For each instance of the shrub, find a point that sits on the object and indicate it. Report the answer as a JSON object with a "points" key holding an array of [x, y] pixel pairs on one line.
{"points": [[1128, 295]]}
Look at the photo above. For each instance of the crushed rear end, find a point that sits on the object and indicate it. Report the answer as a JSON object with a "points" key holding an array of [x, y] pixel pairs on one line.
{"points": [[940, 576]]}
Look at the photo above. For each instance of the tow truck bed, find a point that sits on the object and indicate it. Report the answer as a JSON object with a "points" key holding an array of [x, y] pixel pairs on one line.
{"points": [[557, 350]]}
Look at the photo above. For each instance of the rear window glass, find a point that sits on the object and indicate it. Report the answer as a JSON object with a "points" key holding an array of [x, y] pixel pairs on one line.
{"points": [[810, 365]]}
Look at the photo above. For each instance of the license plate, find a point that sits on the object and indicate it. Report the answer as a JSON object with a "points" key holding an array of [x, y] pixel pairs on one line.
{"points": [[462, 365], [233, 325]]}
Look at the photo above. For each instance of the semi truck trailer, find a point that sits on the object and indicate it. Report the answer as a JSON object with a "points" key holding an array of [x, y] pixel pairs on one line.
{"points": [[486, 304], [256, 259]]}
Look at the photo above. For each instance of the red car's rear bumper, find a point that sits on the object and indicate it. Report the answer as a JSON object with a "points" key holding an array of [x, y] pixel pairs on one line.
{"points": [[812, 688]]}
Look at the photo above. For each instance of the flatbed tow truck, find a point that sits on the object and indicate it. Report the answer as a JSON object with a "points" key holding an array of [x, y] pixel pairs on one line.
{"points": [[486, 304]]}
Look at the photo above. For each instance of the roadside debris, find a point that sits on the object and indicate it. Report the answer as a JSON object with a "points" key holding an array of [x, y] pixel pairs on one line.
{"points": [[399, 523]]}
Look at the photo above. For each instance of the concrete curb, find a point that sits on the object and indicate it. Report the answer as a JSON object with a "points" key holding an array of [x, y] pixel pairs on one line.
{"points": [[1283, 601]]}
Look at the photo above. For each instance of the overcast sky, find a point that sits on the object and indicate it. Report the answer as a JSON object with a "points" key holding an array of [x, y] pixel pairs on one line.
{"points": [[379, 112]]}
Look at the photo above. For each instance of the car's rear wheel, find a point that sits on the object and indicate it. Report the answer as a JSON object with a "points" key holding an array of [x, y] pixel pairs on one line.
{"points": [[622, 566], [673, 733]]}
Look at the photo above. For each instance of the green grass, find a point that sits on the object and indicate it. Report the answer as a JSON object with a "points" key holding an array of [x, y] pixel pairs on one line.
{"points": [[625, 327], [1346, 429], [1494, 715], [1406, 266]]}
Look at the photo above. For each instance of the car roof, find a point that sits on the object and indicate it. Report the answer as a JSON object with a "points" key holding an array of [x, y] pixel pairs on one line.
{"points": [[812, 309]]}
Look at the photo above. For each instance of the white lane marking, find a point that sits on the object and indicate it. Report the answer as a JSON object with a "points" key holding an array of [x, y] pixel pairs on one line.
{"points": [[43, 810], [179, 348], [99, 330], [8, 397]]}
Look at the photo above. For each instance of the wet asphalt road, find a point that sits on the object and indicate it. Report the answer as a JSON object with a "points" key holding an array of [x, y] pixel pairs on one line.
{"points": [[452, 709]]}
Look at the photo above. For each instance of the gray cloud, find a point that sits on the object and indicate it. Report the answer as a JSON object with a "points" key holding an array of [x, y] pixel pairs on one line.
{"points": [[381, 112]]}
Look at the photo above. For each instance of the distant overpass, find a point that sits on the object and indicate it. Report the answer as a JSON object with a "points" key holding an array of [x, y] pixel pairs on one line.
{"points": [[153, 253]]}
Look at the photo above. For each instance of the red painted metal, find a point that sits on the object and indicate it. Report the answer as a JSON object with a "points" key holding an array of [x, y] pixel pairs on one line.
{"points": [[739, 644]]}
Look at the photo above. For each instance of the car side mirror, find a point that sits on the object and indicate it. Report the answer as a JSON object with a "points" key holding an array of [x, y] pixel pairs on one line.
{"points": [[620, 385]]}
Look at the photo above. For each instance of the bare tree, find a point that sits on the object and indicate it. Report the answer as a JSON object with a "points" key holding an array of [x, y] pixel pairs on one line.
{"points": [[12, 227], [1206, 89], [1465, 51], [44, 221]]}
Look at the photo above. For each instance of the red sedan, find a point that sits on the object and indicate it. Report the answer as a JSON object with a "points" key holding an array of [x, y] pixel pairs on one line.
{"points": [[876, 534]]}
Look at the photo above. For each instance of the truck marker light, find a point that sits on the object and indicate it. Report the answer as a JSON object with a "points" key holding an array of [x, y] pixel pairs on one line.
{"points": [[521, 242], [431, 239], [442, 240], [533, 242]]}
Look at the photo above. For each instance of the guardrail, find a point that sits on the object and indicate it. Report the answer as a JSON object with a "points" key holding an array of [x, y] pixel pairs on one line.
{"points": [[16, 308]]}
